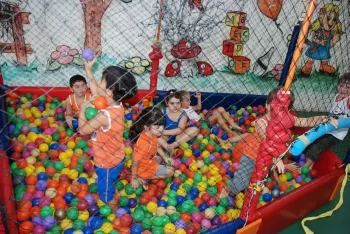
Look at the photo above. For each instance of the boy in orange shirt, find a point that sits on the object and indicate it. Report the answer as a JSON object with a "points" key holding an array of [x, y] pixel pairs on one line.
{"points": [[78, 86]]}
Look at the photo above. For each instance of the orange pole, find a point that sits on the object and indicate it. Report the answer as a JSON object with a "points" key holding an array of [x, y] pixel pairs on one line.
{"points": [[300, 43]]}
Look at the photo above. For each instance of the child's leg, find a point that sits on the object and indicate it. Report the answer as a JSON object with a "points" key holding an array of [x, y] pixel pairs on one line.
{"points": [[106, 179], [237, 137], [187, 135], [221, 117], [241, 178], [164, 144], [315, 150], [163, 172]]}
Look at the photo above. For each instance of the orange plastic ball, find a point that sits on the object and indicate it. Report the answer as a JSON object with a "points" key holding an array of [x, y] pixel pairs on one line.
{"points": [[100, 103]]}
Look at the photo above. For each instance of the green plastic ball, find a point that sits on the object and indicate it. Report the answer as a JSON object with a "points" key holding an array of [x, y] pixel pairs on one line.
{"points": [[46, 211], [105, 210], [90, 112], [72, 213]]}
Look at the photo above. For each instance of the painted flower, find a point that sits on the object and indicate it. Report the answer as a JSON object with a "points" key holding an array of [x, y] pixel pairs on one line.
{"points": [[137, 65], [64, 54], [277, 71]]}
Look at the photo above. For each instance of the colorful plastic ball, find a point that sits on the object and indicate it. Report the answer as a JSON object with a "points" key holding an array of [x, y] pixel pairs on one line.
{"points": [[94, 209], [305, 170], [132, 203], [46, 211], [95, 222], [60, 214], [120, 211], [105, 210], [49, 222], [275, 193], [72, 213], [267, 197], [206, 223], [88, 54], [216, 221], [42, 176], [299, 179], [180, 224], [136, 229], [39, 230], [125, 220]]}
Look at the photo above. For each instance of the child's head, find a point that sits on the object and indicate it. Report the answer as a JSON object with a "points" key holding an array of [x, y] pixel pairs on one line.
{"points": [[77, 85], [344, 85], [186, 99], [117, 84], [173, 100], [151, 120], [273, 93]]}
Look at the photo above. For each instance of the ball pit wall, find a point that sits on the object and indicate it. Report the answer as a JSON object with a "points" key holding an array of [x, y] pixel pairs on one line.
{"points": [[275, 216], [6, 186]]}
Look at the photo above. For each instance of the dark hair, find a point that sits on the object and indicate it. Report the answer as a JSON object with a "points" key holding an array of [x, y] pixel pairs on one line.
{"points": [[76, 78], [149, 116], [273, 93], [121, 82], [170, 94]]}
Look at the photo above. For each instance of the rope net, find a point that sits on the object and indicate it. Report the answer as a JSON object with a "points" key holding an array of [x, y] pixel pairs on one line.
{"points": [[190, 157]]}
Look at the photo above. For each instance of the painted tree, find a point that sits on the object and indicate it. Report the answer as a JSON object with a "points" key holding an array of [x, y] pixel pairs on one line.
{"points": [[93, 13]]}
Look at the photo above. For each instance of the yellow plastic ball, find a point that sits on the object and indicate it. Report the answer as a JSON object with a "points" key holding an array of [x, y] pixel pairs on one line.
{"points": [[78, 232], [239, 203], [43, 147], [65, 171], [193, 166], [180, 231], [184, 146], [69, 152], [128, 163], [212, 181], [21, 137], [66, 162], [181, 192], [200, 163], [107, 227], [63, 156], [188, 153], [204, 141], [202, 186], [169, 228], [73, 174], [70, 144], [56, 176], [29, 169], [111, 217], [205, 154], [152, 207], [204, 169], [128, 150], [177, 173], [40, 169], [199, 136], [66, 224], [100, 203], [48, 139], [283, 178]]}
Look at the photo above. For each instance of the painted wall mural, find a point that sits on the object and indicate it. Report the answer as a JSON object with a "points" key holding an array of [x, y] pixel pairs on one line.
{"points": [[324, 34], [230, 46]]}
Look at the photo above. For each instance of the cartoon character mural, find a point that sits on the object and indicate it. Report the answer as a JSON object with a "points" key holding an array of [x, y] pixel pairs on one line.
{"points": [[325, 32]]}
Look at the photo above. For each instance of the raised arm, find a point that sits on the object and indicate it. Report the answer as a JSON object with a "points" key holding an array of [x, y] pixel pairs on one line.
{"points": [[198, 107], [92, 81]]}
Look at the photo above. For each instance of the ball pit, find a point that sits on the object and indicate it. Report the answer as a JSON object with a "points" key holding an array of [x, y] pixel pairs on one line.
{"points": [[200, 175]]}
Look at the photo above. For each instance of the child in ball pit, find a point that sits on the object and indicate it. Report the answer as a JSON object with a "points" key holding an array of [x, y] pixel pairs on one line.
{"points": [[116, 85], [340, 109], [74, 101], [252, 143], [176, 130], [146, 164], [218, 115]]}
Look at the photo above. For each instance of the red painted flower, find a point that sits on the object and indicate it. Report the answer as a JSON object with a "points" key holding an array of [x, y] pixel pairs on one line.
{"points": [[64, 54]]}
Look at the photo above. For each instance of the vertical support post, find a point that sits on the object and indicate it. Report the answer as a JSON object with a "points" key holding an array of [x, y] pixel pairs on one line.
{"points": [[18, 37]]}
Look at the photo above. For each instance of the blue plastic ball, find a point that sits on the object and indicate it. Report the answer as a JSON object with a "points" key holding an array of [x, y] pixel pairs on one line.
{"points": [[215, 130], [180, 200], [221, 151], [88, 230], [35, 201], [194, 191], [54, 146], [136, 229], [174, 187], [75, 123], [88, 54], [128, 116], [241, 121], [69, 231], [196, 152], [224, 136], [162, 203], [82, 180], [68, 197], [230, 174], [203, 206], [267, 197], [42, 176], [96, 222]]}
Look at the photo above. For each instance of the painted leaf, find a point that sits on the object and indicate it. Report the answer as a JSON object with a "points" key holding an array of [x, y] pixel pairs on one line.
{"points": [[54, 65], [138, 70], [145, 63], [129, 65], [135, 59], [78, 61]]}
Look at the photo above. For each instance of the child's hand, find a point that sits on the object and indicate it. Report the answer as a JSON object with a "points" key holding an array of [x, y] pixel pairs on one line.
{"points": [[197, 95], [169, 161], [134, 183], [292, 167], [334, 122], [89, 64], [86, 104], [69, 122], [280, 165]]}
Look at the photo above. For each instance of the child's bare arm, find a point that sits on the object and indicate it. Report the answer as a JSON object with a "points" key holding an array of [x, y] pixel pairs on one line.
{"points": [[179, 129], [312, 121], [198, 107], [166, 159], [260, 128], [69, 113], [92, 81]]}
